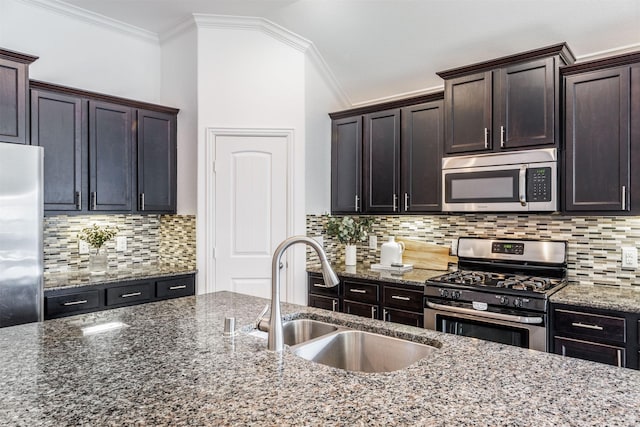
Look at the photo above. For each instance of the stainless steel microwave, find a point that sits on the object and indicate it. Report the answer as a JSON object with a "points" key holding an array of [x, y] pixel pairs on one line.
{"points": [[517, 181]]}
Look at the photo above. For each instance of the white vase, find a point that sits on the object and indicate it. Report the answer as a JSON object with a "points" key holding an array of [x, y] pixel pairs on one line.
{"points": [[350, 255]]}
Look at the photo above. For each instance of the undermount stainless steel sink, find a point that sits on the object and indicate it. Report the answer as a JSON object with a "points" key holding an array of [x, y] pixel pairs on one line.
{"points": [[302, 330], [363, 351]]}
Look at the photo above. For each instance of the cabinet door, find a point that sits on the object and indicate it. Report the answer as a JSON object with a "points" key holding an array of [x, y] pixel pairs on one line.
{"points": [[597, 141], [362, 292], [176, 287], [325, 303], [526, 104], [13, 102], [130, 294], [587, 350], [404, 317], [381, 162], [110, 151], [361, 309], [72, 303], [156, 146], [57, 126], [421, 158], [467, 117], [346, 163]]}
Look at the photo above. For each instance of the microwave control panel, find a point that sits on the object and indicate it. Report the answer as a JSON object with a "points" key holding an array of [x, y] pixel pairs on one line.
{"points": [[539, 184]]}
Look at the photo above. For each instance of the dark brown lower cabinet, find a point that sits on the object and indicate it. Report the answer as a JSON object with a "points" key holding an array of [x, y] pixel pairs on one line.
{"points": [[405, 317], [611, 355], [361, 309], [87, 299], [325, 303]]}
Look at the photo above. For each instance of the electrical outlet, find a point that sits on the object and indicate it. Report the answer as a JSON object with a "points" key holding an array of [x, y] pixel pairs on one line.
{"points": [[121, 243], [83, 247], [629, 257], [319, 239], [454, 247], [373, 241]]}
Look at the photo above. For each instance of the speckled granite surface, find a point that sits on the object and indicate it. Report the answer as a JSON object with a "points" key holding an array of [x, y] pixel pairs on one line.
{"points": [[620, 298], [172, 366], [363, 271], [83, 277]]}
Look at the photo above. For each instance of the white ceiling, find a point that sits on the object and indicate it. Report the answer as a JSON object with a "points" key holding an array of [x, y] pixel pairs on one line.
{"points": [[385, 48]]}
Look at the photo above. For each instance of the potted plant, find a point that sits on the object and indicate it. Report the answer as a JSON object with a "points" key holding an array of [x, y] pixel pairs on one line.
{"points": [[96, 236], [349, 231]]}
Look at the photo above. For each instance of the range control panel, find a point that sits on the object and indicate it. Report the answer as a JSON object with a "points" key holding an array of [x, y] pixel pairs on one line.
{"points": [[539, 184], [512, 248]]}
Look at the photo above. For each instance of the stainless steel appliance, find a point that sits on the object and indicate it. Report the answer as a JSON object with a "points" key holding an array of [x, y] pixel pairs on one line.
{"points": [[502, 182], [21, 217], [500, 291]]}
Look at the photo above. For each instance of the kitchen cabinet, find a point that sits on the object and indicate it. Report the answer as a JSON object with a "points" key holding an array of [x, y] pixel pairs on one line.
{"points": [[381, 162], [506, 103], [322, 295], [104, 154], [346, 165], [388, 160], [602, 136], [361, 298], [91, 298], [603, 336], [14, 96], [403, 305]]}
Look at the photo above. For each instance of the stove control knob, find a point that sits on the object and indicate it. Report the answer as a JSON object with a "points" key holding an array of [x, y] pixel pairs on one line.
{"points": [[444, 293], [455, 294], [517, 302], [504, 300]]}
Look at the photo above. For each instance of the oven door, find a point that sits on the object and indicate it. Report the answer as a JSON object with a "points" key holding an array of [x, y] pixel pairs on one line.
{"points": [[522, 331]]}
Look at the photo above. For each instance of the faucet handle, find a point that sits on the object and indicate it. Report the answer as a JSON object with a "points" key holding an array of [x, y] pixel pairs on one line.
{"points": [[260, 317]]}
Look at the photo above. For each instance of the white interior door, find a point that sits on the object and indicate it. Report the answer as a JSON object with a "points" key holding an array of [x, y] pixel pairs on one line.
{"points": [[251, 211]]}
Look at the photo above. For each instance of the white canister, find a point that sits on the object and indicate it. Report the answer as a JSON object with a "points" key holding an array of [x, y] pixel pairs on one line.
{"points": [[391, 252]]}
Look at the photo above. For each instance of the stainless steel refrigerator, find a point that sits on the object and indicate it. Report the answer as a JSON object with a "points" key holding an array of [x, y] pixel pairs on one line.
{"points": [[21, 218]]}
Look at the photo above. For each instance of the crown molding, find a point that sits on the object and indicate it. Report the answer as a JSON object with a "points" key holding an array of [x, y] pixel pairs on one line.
{"points": [[401, 96], [276, 32], [177, 30], [75, 12], [632, 48]]}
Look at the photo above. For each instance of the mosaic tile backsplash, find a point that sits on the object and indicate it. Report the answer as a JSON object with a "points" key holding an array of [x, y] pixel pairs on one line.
{"points": [[594, 243], [151, 239]]}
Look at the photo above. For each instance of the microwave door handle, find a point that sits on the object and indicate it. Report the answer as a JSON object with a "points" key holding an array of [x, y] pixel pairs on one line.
{"points": [[522, 185]]}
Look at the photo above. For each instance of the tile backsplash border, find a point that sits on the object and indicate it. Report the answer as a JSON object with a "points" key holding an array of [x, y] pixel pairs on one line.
{"points": [[594, 243]]}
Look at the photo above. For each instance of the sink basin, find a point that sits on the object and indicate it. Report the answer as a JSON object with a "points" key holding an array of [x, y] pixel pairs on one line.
{"points": [[363, 351], [302, 330]]}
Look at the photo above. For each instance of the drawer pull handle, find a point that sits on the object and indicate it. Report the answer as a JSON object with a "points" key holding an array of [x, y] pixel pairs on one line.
{"points": [[132, 294], [334, 305], [586, 326], [82, 301], [321, 285], [401, 298], [358, 291], [173, 288]]}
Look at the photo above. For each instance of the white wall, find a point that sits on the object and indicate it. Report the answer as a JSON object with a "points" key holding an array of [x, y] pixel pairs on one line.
{"points": [[78, 53], [320, 100], [179, 88]]}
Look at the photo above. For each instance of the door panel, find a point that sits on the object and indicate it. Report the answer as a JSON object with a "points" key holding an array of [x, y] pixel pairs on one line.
{"points": [[13, 102], [346, 163]]}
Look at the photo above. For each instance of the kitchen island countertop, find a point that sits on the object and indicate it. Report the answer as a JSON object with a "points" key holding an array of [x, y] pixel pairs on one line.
{"points": [[172, 366]]}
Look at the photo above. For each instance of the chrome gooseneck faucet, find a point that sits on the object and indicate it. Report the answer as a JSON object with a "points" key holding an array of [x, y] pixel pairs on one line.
{"points": [[276, 341]]}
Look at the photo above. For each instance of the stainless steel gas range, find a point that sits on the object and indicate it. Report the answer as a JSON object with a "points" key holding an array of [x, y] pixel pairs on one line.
{"points": [[500, 292]]}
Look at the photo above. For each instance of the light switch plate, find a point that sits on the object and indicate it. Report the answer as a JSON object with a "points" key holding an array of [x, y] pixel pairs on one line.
{"points": [[629, 257], [121, 243], [83, 247], [319, 239], [373, 241], [454, 247]]}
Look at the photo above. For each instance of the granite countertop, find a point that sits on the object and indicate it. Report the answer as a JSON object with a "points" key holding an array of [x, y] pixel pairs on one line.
{"points": [[620, 298], [172, 366], [415, 277], [77, 278]]}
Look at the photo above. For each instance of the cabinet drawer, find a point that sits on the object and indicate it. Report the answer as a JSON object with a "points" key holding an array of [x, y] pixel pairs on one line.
{"points": [[318, 287], [590, 325], [173, 288], [360, 309], [71, 303], [404, 317], [361, 292], [405, 299], [586, 350], [130, 293], [326, 303]]}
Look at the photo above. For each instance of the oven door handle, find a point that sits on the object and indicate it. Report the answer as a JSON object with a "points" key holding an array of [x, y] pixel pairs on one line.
{"points": [[487, 314]]}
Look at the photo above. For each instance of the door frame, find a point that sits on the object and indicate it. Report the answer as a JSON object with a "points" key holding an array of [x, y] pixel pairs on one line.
{"points": [[206, 229]]}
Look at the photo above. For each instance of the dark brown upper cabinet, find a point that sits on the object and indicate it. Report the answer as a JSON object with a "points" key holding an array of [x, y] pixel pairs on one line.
{"points": [[156, 152], [422, 137], [58, 125], [346, 165], [14, 96], [103, 153], [381, 162], [506, 103], [602, 136]]}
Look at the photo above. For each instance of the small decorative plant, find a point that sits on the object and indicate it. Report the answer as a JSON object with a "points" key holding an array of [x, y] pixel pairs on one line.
{"points": [[96, 236], [347, 229]]}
